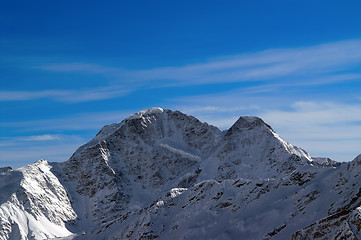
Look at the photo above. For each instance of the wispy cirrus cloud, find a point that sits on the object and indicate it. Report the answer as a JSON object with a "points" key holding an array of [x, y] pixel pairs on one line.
{"points": [[314, 65], [44, 137], [80, 67], [70, 96], [325, 114], [264, 66], [37, 139], [269, 64], [77, 122]]}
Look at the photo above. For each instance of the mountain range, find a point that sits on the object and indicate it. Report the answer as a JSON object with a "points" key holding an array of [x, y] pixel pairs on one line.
{"points": [[162, 174]]}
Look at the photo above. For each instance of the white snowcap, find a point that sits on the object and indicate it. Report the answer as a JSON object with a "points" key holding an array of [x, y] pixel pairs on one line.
{"points": [[149, 111]]}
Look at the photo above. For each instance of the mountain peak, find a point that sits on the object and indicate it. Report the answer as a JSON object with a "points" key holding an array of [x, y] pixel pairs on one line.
{"points": [[164, 174], [248, 123], [146, 112]]}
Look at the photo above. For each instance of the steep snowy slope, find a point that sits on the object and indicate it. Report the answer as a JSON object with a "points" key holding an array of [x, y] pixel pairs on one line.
{"points": [[344, 215], [252, 209], [34, 205], [163, 174]]}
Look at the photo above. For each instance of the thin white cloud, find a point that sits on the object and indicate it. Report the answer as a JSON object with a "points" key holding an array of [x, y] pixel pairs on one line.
{"points": [[268, 64], [44, 137], [315, 65], [80, 67], [329, 79], [28, 95], [317, 113], [85, 121], [70, 96], [38, 139], [264, 65]]}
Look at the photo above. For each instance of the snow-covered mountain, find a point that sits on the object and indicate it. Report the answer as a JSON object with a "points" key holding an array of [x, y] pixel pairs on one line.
{"points": [[161, 174]]}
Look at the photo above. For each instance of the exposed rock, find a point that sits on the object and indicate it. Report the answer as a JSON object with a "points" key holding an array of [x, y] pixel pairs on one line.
{"points": [[161, 174]]}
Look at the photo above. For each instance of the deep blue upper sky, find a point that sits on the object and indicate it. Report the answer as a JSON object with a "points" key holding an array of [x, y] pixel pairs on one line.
{"points": [[69, 67]]}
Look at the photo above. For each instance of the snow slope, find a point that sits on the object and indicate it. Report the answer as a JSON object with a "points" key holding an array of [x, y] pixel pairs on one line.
{"points": [[33, 203], [163, 174]]}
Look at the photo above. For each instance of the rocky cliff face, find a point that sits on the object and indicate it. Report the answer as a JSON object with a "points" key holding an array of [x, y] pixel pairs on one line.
{"points": [[163, 174]]}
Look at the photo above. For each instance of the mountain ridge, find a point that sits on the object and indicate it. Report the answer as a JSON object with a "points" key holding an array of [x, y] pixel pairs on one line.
{"points": [[164, 174]]}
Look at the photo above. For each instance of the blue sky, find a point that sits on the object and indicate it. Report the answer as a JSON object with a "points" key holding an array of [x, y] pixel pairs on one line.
{"points": [[70, 67]]}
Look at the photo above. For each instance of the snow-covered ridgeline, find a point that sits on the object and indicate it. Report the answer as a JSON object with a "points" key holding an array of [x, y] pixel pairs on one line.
{"points": [[163, 174]]}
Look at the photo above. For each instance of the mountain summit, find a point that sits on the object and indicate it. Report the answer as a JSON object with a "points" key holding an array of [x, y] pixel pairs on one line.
{"points": [[161, 174]]}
